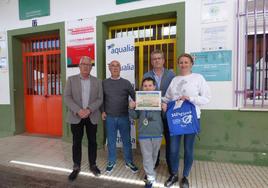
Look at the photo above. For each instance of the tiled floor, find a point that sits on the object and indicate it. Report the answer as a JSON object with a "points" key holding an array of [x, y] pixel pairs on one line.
{"points": [[44, 154]]}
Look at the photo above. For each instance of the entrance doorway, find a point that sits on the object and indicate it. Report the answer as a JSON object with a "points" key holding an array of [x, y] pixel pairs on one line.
{"points": [[151, 35], [42, 85]]}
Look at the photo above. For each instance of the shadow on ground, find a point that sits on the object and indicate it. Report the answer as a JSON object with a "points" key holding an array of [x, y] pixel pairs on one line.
{"points": [[27, 178]]}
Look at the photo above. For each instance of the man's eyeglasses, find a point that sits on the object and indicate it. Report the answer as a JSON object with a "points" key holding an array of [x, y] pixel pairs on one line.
{"points": [[114, 66], [158, 58], [85, 65]]}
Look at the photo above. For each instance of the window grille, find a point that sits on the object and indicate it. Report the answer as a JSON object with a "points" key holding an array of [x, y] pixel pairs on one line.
{"points": [[151, 35], [252, 44], [42, 66]]}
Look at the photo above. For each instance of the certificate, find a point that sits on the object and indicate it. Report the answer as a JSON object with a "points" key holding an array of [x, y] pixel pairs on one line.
{"points": [[148, 100]]}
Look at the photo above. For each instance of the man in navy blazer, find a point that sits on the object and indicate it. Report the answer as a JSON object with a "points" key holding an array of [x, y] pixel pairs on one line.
{"points": [[83, 96], [163, 77]]}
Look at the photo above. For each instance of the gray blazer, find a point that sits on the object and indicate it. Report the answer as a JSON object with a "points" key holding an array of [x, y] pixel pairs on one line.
{"points": [[73, 98]]}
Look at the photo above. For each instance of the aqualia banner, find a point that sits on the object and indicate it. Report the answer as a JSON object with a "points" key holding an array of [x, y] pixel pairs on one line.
{"points": [[123, 50]]}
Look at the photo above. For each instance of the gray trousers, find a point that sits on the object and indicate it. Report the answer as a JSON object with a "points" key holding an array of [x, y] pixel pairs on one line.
{"points": [[149, 150]]}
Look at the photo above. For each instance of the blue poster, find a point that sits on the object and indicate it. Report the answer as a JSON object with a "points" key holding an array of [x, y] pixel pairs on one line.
{"points": [[213, 65]]}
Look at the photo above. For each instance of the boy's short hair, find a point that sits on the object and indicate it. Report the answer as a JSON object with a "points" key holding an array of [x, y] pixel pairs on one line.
{"points": [[148, 79]]}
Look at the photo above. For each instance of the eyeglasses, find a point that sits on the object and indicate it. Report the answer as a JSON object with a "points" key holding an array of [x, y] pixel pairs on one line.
{"points": [[158, 58], [114, 66], [85, 65]]}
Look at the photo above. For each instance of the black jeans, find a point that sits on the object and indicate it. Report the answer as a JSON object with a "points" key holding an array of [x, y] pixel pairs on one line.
{"points": [[78, 132]]}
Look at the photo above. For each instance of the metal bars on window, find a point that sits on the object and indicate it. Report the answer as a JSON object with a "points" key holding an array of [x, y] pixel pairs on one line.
{"points": [[34, 75], [168, 50], [53, 74], [42, 66], [42, 44], [149, 35], [150, 31], [252, 61]]}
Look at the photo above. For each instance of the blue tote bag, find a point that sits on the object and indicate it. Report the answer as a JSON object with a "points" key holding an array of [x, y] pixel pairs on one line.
{"points": [[182, 120]]}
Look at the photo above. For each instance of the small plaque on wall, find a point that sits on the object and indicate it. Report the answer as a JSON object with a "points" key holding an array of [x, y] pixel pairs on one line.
{"points": [[124, 1], [33, 8]]}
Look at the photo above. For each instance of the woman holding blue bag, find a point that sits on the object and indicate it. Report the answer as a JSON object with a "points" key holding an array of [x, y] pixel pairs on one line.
{"points": [[193, 88]]}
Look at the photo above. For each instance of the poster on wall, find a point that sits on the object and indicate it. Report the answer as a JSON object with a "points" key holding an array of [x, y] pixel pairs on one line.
{"points": [[213, 65], [81, 39], [4, 73], [213, 11], [214, 38], [123, 50], [33, 8]]}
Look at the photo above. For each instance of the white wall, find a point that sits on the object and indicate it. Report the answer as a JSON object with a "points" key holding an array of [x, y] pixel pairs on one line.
{"points": [[222, 91], [62, 10]]}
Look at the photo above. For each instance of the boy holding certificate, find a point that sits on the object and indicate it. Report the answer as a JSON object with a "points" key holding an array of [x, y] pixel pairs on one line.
{"points": [[150, 130]]}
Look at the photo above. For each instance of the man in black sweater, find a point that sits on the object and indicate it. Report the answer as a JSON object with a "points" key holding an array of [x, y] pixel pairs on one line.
{"points": [[116, 92]]}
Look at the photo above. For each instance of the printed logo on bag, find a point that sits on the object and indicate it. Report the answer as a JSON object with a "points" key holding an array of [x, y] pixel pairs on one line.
{"points": [[181, 114], [184, 119], [187, 119]]}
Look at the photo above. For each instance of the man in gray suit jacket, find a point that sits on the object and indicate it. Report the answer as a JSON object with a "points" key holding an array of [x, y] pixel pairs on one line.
{"points": [[83, 96]]}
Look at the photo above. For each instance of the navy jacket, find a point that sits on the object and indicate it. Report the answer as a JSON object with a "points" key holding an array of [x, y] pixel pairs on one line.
{"points": [[166, 79]]}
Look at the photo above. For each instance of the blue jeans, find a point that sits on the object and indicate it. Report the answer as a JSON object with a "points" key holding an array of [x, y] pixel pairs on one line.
{"points": [[122, 124], [188, 153]]}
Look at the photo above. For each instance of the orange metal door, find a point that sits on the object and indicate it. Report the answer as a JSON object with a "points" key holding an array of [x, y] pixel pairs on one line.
{"points": [[42, 85]]}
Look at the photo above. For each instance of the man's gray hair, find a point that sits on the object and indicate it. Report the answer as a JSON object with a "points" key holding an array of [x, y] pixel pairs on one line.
{"points": [[157, 51], [84, 58], [115, 62]]}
